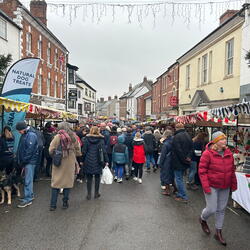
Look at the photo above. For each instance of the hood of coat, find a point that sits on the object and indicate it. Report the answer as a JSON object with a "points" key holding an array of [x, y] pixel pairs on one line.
{"points": [[179, 131], [148, 132], [94, 139], [121, 139], [209, 145]]}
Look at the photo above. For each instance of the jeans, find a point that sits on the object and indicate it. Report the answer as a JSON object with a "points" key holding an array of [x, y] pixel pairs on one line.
{"points": [[138, 168], [38, 164], [150, 158], [119, 169], [216, 203], [192, 171], [54, 195], [28, 182], [180, 184]]}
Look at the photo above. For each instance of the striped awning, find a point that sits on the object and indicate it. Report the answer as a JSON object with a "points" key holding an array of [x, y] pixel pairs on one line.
{"points": [[11, 105]]}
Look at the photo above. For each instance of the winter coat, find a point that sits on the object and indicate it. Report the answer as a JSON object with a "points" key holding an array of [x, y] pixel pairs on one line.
{"points": [[182, 148], [139, 151], [150, 142], [47, 140], [6, 154], [167, 173], [217, 171], [63, 176], [27, 152], [198, 145], [129, 143], [106, 135], [120, 152], [91, 158]]}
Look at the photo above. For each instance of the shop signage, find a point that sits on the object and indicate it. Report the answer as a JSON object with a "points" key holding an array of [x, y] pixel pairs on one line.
{"points": [[173, 101], [73, 94]]}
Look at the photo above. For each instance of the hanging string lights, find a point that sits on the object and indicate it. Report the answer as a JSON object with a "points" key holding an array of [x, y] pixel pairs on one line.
{"points": [[138, 11]]}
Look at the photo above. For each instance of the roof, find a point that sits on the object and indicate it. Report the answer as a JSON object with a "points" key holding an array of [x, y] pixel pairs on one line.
{"points": [[131, 93], [9, 19], [80, 80], [70, 66], [42, 25], [214, 31]]}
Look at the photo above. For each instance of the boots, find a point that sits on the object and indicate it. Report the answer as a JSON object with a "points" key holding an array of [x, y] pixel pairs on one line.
{"points": [[167, 190], [218, 237], [175, 188], [97, 186], [204, 226], [89, 187]]}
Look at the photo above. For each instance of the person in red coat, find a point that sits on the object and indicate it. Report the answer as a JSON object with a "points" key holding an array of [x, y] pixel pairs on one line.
{"points": [[217, 175], [139, 156]]}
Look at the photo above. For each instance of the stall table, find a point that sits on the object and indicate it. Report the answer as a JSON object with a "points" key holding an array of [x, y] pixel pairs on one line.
{"points": [[242, 194]]}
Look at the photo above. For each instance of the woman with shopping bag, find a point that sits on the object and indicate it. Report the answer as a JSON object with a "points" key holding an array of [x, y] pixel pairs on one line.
{"points": [[95, 158]]}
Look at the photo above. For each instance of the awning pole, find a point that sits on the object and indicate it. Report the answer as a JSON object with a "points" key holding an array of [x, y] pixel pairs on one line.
{"points": [[2, 117]]}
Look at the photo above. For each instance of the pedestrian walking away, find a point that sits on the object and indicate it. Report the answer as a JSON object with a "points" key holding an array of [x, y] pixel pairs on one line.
{"points": [[120, 158], [139, 157], [63, 175], [150, 146], [217, 175], [182, 150], [94, 159]]}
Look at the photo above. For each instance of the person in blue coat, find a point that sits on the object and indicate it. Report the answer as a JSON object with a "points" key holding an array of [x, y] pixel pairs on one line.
{"points": [[94, 159], [120, 158], [167, 172]]}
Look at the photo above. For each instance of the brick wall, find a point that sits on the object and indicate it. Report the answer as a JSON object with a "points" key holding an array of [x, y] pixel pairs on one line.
{"points": [[123, 108], [156, 97]]}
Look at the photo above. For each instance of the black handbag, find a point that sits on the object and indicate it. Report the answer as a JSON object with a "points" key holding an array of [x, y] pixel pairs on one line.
{"points": [[57, 156], [101, 155]]}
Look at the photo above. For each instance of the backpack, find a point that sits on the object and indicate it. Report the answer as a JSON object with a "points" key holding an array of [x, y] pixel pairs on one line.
{"points": [[113, 140]]}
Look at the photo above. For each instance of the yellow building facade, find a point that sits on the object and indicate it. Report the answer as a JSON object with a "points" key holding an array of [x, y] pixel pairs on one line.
{"points": [[210, 71]]}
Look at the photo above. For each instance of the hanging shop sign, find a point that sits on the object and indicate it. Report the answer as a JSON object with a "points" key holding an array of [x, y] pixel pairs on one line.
{"points": [[73, 94], [87, 106], [173, 101]]}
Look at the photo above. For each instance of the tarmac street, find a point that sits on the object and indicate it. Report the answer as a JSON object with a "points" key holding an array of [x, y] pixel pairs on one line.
{"points": [[127, 216]]}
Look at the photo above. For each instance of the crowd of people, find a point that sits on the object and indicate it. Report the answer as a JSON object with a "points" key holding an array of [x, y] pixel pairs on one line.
{"points": [[184, 162]]}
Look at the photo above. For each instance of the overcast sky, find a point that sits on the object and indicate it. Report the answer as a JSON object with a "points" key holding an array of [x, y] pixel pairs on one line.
{"points": [[110, 55]]}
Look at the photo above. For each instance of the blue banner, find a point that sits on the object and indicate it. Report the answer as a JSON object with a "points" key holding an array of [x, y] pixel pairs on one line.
{"points": [[17, 86]]}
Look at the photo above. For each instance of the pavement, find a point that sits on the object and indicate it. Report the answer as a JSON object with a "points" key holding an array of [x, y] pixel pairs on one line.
{"points": [[127, 216]]}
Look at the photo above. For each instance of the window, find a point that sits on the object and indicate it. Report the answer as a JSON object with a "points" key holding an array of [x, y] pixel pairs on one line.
{"points": [[79, 94], [93, 95], [229, 56], [28, 42], [93, 107], [55, 87], [58, 90], [89, 93], [188, 76], [174, 91], [210, 66], [3, 28], [174, 75], [48, 85], [71, 76], [56, 59], [198, 72], [72, 104], [48, 54], [39, 84], [62, 90], [204, 69], [39, 49], [79, 109], [86, 92]]}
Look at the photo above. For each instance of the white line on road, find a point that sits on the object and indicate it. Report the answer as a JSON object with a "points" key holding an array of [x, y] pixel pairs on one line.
{"points": [[233, 211]]}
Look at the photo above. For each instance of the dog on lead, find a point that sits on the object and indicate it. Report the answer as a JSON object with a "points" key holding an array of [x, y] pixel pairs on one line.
{"points": [[7, 182]]}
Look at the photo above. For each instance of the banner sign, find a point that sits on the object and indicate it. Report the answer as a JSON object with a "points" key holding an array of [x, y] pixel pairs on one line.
{"points": [[17, 86]]}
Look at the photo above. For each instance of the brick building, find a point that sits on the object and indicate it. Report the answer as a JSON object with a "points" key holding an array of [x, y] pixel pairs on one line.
{"points": [[38, 41], [144, 106], [165, 93]]}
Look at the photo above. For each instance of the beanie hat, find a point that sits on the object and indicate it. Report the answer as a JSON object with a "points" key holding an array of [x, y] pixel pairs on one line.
{"points": [[119, 130], [124, 130], [21, 126], [217, 136], [121, 139]]}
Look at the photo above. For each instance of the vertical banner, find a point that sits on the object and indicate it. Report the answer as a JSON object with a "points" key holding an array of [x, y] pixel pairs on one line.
{"points": [[17, 86]]}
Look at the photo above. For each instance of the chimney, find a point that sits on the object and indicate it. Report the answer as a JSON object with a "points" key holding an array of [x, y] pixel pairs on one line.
{"points": [[38, 9], [145, 79], [226, 15], [109, 98], [130, 87], [116, 97], [101, 100]]}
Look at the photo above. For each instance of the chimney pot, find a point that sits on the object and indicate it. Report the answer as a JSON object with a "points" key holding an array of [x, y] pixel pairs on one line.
{"points": [[130, 87], [226, 15], [38, 9]]}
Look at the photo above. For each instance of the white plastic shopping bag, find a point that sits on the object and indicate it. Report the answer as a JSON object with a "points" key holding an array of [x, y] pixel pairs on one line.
{"points": [[107, 177]]}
